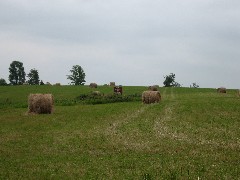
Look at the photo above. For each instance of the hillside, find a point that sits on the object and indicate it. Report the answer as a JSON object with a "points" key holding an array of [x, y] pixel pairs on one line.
{"points": [[191, 133]]}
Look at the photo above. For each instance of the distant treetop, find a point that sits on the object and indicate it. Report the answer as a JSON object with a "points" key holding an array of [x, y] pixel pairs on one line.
{"points": [[77, 76], [17, 73]]}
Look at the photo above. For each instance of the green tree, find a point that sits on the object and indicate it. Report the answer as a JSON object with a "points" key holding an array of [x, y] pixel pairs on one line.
{"points": [[78, 76], [194, 85], [33, 77], [42, 83], [3, 82], [170, 81], [17, 73], [176, 84]]}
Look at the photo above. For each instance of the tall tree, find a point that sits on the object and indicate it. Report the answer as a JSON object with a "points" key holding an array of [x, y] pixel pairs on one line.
{"points": [[17, 73], [33, 77], [170, 81], [77, 76]]}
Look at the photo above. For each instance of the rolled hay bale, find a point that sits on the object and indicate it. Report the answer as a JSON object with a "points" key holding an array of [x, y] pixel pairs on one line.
{"points": [[153, 88], [96, 93], [222, 90], [93, 85], [40, 103], [112, 83], [149, 97], [58, 84]]}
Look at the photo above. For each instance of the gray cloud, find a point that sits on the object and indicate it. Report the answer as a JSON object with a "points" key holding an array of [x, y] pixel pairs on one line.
{"points": [[142, 40]]}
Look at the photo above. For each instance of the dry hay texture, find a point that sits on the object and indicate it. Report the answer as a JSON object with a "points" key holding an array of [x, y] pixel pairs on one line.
{"points": [[93, 85], [58, 84], [40, 103], [112, 83], [222, 90], [96, 93], [153, 88], [149, 97]]}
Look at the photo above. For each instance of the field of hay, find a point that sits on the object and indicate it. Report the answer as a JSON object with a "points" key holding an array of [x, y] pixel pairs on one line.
{"points": [[190, 134]]}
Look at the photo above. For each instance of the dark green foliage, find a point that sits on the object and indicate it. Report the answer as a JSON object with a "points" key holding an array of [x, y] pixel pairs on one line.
{"points": [[3, 82], [176, 84], [17, 73], [194, 85], [104, 99], [42, 83], [65, 102], [170, 81], [78, 76], [33, 77]]}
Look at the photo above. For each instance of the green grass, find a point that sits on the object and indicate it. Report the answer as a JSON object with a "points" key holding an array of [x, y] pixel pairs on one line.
{"points": [[16, 96], [191, 134]]}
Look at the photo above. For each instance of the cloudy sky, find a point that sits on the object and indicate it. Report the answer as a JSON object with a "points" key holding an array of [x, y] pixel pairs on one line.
{"points": [[131, 42]]}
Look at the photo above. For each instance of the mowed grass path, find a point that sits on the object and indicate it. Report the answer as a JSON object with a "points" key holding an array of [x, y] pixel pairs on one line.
{"points": [[191, 134]]}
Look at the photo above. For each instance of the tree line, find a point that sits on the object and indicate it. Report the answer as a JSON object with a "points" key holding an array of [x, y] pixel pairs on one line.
{"points": [[17, 75]]}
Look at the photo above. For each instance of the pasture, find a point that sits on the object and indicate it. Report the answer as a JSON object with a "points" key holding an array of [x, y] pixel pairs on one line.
{"points": [[190, 134]]}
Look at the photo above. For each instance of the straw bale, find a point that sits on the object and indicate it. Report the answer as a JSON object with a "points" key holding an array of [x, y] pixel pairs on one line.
{"points": [[149, 97], [93, 85], [40, 103], [222, 90], [58, 84], [153, 88]]}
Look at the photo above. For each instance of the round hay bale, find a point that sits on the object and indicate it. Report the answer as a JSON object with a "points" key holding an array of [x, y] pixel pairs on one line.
{"points": [[58, 84], [112, 83], [153, 88], [149, 97], [222, 90], [93, 85], [96, 93], [40, 103]]}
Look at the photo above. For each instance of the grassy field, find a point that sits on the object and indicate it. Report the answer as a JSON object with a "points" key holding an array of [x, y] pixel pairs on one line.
{"points": [[191, 134]]}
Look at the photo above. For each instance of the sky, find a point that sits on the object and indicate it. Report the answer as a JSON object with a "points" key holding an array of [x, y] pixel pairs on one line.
{"points": [[130, 42]]}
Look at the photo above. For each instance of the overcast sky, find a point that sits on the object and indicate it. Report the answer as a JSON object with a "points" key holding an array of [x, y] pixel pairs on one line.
{"points": [[131, 42]]}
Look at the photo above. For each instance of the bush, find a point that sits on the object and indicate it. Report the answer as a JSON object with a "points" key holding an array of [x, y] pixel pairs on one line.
{"points": [[104, 99], [3, 82], [65, 102]]}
